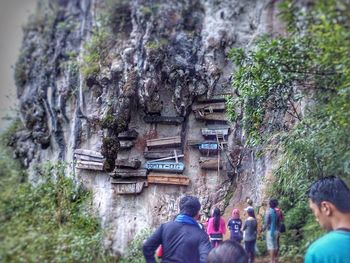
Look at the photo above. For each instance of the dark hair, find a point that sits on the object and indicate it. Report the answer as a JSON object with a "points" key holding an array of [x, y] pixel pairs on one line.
{"points": [[216, 215], [251, 213], [273, 203], [331, 189], [189, 205], [228, 252]]}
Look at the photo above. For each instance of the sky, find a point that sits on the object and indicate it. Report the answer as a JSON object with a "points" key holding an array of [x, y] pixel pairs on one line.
{"points": [[13, 14]]}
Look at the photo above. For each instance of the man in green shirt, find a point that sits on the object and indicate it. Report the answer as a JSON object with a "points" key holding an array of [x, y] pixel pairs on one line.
{"points": [[329, 199]]}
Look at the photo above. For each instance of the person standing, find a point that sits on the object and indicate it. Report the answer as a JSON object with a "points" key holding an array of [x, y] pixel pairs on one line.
{"points": [[216, 228], [271, 227], [235, 226], [182, 240], [329, 201], [250, 233]]}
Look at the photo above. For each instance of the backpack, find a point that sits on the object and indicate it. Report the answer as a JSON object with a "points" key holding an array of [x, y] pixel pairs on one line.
{"points": [[282, 228]]}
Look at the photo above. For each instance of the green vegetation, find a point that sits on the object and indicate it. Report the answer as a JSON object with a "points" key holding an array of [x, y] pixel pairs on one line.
{"points": [[95, 51], [49, 222], [311, 65], [135, 248]]}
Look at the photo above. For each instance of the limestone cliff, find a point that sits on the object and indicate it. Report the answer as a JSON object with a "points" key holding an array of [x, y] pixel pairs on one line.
{"points": [[92, 71]]}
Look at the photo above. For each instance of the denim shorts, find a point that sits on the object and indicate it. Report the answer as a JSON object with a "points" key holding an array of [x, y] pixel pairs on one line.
{"points": [[271, 240]]}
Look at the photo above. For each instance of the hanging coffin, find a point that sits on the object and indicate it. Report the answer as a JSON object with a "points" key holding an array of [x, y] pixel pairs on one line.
{"points": [[128, 187], [165, 166], [170, 179]]}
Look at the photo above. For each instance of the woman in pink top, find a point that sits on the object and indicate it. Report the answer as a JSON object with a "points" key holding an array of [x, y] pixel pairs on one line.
{"points": [[216, 228]]}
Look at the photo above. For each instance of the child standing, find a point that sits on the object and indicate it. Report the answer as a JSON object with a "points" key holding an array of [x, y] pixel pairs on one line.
{"points": [[235, 226]]}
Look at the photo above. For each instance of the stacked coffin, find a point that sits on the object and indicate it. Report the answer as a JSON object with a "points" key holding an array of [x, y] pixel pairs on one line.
{"points": [[213, 112], [128, 178], [165, 168]]}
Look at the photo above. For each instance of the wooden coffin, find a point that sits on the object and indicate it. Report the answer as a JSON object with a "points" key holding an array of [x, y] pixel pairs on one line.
{"points": [[165, 166], [208, 148], [215, 98], [166, 141], [163, 119], [209, 107], [88, 158], [124, 187], [84, 152], [126, 144], [161, 153], [128, 135], [124, 173], [214, 116], [209, 163], [210, 132], [88, 165], [125, 163], [163, 178]]}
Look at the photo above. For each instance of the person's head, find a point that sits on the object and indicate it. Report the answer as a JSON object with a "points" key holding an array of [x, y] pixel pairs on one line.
{"points": [[250, 212], [273, 203], [216, 216], [189, 205], [327, 197], [249, 201], [235, 213], [228, 252]]}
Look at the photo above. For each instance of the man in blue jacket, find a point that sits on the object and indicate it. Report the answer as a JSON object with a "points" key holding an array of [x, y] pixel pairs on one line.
{"points": [[329, 199], [183, 240]]}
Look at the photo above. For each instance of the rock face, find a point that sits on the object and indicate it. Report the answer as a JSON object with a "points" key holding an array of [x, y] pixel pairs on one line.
{"points": [[92, 71]]}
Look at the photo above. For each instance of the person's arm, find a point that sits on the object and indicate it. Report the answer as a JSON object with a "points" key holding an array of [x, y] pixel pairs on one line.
{"points": [[204, 249], [151, 244]]}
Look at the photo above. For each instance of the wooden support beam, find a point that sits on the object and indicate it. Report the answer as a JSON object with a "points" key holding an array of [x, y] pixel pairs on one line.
{"points": [[169, 179], [164, 119]]}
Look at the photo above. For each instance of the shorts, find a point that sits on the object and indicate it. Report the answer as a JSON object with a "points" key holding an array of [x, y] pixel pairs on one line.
{"points": [[271, 240], [250, 246]]}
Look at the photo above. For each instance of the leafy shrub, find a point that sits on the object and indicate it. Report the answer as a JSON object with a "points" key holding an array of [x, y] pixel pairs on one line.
{"points": [[49, 222]]}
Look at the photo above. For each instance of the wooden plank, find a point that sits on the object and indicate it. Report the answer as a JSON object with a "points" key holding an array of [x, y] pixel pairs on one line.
{"points": [[169, 179], [209, 163], [119, 173], [128, 135], [126, 144], [218, 106], [165, 166], [209, 132], [128, 187], [125, 163], [166, 141], [88, 153], [163, 119], [88, 165], [88, 158], [161, 153], [215, 116]]}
